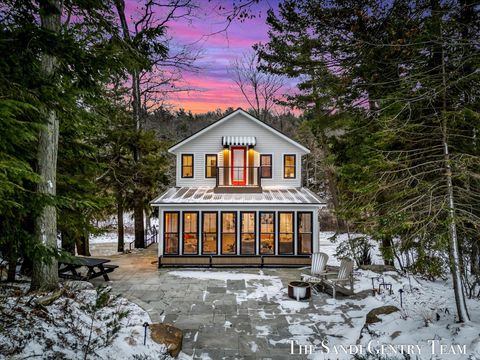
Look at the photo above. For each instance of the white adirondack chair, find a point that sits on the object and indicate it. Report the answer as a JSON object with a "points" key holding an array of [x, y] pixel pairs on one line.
{"points": [[343, 277], [318, 268]]}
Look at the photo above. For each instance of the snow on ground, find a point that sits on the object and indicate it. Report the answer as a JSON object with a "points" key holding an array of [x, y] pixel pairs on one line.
{"points": [[329, 241], [105, 243], [81, 321], [426, 320]]}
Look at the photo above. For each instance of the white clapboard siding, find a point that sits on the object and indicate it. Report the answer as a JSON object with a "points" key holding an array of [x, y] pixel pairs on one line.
{"points": [[210, 142]]}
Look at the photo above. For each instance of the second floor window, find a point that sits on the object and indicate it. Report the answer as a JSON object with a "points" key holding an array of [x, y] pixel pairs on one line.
{"points": [[266, 166], [289, 166], [211, 166], [187, 165]]}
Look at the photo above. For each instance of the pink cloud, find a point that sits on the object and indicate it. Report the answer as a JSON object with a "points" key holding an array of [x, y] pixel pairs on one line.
{"points": [[216, 89]]}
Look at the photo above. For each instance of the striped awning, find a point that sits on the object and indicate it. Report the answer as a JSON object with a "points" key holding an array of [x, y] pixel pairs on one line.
{"points": [[239, 140]]}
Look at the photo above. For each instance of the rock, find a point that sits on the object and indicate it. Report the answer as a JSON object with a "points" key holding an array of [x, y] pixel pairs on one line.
{"points": [[50, 298], [395, 334], [78, 285], [378, 268], [168, 335], [372, 316]]}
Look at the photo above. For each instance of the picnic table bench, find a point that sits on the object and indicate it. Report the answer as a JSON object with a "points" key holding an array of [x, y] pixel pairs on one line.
{"points": [[68, 268]]}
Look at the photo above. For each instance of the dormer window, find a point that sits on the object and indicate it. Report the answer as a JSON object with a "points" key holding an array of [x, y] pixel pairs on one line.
{"points": [[187, 165], [289, 165]]}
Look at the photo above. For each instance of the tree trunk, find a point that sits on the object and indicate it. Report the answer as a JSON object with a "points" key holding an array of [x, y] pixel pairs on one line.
{"points": [[45, 274], [455, 266], [331, 183], [136, 107], [120, 228], [148, 223], [83, 247], [387, 251], [12, 262], [138, 221], [68, 244]]}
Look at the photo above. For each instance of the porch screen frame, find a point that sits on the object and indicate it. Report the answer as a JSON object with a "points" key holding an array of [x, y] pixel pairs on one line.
{"points": [[299, 237], [184, 213], [204, 232], [254, 231], [234, 232], [165, 233], [273, 232], [292, 214]]}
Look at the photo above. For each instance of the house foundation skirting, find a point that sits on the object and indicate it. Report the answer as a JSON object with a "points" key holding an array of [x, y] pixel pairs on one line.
{"points": [[234, 261]]}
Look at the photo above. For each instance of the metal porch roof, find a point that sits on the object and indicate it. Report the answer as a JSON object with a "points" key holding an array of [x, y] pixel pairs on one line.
{"points": [[269, 195]]}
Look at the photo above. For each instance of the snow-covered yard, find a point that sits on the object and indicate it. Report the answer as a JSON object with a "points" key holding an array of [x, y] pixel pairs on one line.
{"points": [[422, 326], [240, 313], [82, 323], [337, 327]]}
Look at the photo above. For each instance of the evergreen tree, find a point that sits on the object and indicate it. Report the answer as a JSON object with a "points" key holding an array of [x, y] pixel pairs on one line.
{"points": [[407, 158]]}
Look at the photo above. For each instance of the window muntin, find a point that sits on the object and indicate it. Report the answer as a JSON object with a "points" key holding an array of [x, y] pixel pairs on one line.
{"points": [[289, 162], [210, 166], [266, 166], [305, 232], [171, 233], [229, 232], [285, 229], [209, 233], [267, 233], [187, 165], [190, 233], [247, 233]]}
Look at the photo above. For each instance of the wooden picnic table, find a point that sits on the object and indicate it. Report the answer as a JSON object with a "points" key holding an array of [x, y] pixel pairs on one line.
{"points": [[96, 267]]}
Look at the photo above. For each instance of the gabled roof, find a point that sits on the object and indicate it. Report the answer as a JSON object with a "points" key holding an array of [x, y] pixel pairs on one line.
{"points": [[229, 116]]}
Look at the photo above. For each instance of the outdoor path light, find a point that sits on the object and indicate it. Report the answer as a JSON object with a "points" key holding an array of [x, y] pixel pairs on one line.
{"points": [[145, 325]]}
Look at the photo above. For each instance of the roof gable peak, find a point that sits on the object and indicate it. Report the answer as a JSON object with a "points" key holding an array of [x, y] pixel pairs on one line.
{"points": [[230, 116]]}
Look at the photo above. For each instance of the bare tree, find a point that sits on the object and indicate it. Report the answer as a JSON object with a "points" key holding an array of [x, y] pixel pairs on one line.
{"points": [[258, 88], [155, 75]]}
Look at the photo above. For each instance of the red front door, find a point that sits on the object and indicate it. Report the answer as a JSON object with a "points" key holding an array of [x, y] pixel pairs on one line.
{"points": [[239, 165]]}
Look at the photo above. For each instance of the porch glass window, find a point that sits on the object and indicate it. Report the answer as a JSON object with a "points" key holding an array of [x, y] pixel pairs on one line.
{"points": [[266, 166], [229, 240], [267, 233], [285, 224], [171, 233], [289, 166], [247, 246], [190, 233], [187, 165], [305, 232], [209, 239], [211, 166]]}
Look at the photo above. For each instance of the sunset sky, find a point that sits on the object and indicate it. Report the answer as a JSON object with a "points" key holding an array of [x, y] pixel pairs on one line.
{"points": [[213, 84]]}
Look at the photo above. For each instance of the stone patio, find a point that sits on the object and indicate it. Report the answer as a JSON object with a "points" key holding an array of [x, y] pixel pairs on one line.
{"points": [[227, 318]]}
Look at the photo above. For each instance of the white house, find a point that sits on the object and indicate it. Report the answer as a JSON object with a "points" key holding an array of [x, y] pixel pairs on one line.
{"points": [[238, 199]]}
